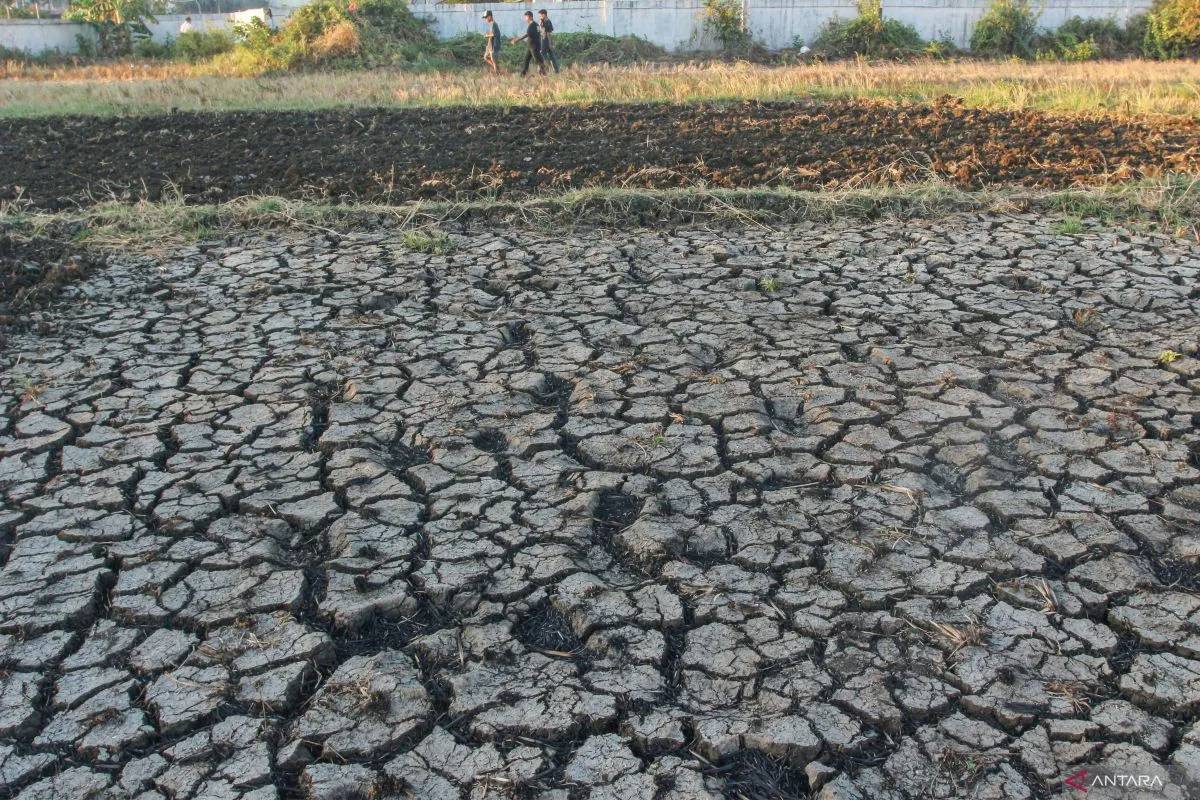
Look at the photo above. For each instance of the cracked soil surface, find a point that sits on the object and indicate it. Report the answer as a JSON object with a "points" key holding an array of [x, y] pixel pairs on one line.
{"points": [[886, 510]]}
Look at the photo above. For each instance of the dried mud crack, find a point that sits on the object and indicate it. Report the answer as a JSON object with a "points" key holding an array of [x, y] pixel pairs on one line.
{"points": [[603, 516], [457, 153]]}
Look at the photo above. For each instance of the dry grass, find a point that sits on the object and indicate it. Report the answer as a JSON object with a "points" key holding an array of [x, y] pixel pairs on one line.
{"points": [[1075, 694], [1169, 204], [1114, 87], [340, 40]]}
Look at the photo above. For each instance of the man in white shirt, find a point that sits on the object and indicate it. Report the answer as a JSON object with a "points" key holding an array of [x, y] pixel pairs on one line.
{"points": [[186, 25]]}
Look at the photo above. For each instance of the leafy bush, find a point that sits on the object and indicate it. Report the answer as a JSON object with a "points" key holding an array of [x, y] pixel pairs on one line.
{"points": [[723, 18], [1067, 48], [192, 46], [1009, 28], [150, 49], [1172, 29], [1080, 39], [350, 33], [1111, 40], [196, 46], [1136, 29], [869, 34]]}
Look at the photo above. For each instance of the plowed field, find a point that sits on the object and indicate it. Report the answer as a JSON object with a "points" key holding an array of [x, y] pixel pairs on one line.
{"points": [[396, 155]]}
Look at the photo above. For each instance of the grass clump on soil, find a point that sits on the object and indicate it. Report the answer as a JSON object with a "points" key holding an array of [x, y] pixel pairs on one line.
{"points": [[871, 35], [429, 242]]}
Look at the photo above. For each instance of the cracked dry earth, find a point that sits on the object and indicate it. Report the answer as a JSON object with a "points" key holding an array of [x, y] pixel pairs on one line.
{"points": [[606, 515]]}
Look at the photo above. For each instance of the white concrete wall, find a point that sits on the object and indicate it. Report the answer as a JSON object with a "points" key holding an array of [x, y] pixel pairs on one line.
{"points": [[779, 23], [45, 35], [677, 25], [955, 19], [674, 24], [42, 35]]}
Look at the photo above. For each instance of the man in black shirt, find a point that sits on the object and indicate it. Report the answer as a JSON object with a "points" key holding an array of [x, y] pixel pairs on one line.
{"points": [[547, 44], [533, 41]]}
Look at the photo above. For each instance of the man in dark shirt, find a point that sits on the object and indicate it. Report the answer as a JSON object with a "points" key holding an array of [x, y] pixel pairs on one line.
{"points": [[533, 41], [547, 43]]}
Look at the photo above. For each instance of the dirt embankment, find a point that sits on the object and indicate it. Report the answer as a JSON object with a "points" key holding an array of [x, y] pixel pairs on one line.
{"points": [[398, 155], [32, 270]]}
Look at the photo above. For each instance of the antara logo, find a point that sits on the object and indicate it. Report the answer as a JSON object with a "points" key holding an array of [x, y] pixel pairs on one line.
{"points": [[1078, 781], [1082, 781]]}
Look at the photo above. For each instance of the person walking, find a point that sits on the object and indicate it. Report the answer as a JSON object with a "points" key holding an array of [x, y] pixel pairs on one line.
{"points": [[491, 47], [547, 28], [533, 41], [186, 26]]}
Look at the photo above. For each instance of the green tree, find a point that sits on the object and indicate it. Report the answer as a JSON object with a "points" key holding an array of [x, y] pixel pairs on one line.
{"points": [[723, 18], [1173, 29], [117, 22]]}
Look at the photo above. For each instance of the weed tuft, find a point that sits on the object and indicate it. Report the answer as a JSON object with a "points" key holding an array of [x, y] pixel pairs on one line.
{"points": [[1166, 357], [432, 243]]}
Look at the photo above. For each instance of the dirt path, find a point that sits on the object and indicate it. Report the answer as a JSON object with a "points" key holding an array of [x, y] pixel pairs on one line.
{"points": [[398, 155]]}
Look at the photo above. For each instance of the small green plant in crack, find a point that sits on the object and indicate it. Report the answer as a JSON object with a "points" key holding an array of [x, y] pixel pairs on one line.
{"points": [[1069, 226], [436, 243], [1167, 357], [652, 442], [768, 284], [29, 387]]}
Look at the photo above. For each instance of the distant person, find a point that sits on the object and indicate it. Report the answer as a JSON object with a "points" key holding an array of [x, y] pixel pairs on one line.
{"points": [[533, 41], [491, 47], [547, 43], [186, 26], [269, 18]]}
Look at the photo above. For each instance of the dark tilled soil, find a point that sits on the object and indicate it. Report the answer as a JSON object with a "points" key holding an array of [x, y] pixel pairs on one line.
{"points": [[32, 270], [401, 155]]}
